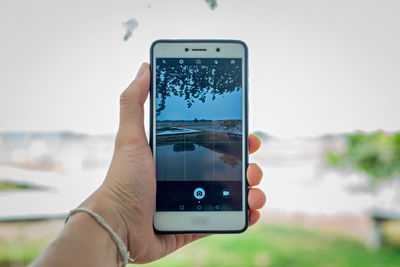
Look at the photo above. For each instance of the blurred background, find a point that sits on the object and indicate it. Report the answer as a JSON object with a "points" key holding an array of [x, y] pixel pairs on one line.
{"points": [[324, 94]]}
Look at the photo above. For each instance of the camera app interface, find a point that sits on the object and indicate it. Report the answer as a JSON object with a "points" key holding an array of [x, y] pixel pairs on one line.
{"points": [[198, 147]]}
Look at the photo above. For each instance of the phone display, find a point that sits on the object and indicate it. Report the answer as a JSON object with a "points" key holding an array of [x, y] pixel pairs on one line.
{"points": [[198, 135]]}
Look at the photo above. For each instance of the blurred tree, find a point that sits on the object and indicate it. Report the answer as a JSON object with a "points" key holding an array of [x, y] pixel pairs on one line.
{"points": [[212, 3], [195, 82], [129, 26], [262, 135], [377, 155]]}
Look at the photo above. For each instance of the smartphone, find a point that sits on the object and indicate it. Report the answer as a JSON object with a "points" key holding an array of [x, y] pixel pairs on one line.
{"points": [[199, 135]]}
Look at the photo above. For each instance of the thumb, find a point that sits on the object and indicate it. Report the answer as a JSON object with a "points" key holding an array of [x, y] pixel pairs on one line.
{"points": [[131, 121]]}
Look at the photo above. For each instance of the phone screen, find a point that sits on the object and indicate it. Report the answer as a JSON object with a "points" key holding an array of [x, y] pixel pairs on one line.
{"points": [[199, 134]]}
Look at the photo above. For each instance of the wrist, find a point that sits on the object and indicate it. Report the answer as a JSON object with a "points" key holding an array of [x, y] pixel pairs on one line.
{"points": [[100, 203], [82, 242]]}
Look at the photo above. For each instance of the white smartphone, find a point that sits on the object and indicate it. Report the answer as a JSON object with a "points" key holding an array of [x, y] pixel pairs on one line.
{"points": [[199, 135]]}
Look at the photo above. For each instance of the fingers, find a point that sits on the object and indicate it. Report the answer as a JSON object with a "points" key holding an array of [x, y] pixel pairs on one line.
{"points": [[256, 198], [254, 216], [254, 174], [254, 143], [131, 124]]}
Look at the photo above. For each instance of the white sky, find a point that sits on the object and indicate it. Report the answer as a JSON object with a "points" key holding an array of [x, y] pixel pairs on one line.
{"points": [[316, 67]]}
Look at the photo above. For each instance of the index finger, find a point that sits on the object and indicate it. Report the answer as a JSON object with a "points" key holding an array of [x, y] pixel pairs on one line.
{"points": [[254, 143]]}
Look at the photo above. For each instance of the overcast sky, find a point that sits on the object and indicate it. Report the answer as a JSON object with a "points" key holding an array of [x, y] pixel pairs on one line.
{"points": [[316, 67], [227, 106]]}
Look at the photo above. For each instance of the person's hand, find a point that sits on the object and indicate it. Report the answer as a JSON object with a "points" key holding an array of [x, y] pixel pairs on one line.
{"points": [[126, 199]]}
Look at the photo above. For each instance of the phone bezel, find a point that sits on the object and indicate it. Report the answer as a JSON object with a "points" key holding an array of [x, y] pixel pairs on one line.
{"points": [[179, 44]]}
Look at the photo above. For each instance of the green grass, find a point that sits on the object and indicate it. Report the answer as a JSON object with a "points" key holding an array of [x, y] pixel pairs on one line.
{"points": [[272, 245], [264, 245], [21, 253]]}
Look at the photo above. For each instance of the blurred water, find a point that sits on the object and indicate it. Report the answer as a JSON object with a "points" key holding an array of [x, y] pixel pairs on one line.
{"points": [[198, 163], [296, 179]]}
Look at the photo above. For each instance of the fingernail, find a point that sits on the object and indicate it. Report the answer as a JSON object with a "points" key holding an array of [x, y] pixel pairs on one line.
{"points": [[141, 71]]}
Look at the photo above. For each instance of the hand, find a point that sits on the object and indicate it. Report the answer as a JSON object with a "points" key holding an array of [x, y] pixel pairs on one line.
{"points": [[126, 199]]}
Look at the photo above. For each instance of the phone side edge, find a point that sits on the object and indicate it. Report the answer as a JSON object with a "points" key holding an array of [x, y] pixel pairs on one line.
{"points": [[246, 132], [151, 95]]}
